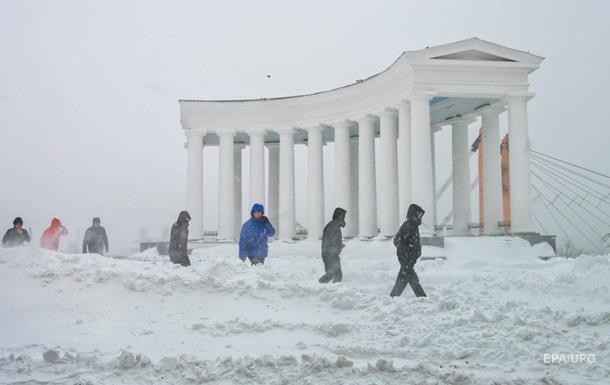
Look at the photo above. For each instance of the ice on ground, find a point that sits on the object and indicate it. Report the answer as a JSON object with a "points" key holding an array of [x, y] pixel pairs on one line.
{"points": [[494, 309]]}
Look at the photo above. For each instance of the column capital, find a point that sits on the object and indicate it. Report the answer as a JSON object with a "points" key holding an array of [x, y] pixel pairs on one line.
{"points": [[519, 96], [318, 128], [389, 112], [492, 109], [421, 95], [225, 133], [192, 132], [344, 123], [368, 118], [256, 132], [405, 103], [286, 131]]}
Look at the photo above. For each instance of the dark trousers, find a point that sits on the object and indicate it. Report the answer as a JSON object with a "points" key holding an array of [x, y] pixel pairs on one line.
{"points": [[256, 260], [407, 275], [180, 259], [332, 267]]}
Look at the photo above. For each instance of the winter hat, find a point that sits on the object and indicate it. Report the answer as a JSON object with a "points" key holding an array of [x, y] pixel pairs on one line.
{"points": [[17, 220], [184, 216], [257, 207]]}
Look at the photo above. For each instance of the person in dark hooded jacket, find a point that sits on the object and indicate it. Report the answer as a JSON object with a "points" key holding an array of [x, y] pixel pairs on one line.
{"points": [[17, 235], [178, 241], [332, 244], [408, 250], [255, 233], [96, 240]]}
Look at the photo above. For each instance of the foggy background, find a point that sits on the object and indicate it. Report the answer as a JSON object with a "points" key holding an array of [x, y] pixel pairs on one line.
{"points": [[89, 116]]}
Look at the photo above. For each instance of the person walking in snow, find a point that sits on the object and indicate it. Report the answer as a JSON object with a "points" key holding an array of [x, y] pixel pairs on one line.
{"points": [[178, 241], [17, 235], [254, 235], [96, 240], [408, 250], [50, 237], [332, 244]]}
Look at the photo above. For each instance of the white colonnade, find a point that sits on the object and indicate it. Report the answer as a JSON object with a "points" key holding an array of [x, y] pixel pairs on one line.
{"points": [[449, 85]]}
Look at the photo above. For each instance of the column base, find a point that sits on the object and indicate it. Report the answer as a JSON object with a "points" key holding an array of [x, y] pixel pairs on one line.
{"points": [[432, 240], [535, 238]]}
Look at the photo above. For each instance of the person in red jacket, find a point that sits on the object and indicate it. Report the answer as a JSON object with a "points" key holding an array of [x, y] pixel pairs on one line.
{"points": [[50, 237]]}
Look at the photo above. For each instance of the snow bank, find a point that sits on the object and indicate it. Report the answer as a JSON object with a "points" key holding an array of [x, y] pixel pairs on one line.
{"points": [[494, 310]]}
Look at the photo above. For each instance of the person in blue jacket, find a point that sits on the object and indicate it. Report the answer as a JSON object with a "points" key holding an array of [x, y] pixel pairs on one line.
{"points": [[254, 236]]}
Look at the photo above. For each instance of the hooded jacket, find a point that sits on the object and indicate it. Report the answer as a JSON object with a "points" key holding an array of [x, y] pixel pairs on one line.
{"points": [[50, 237], [254, 235], [179, 237], [407, 241], [96, 240], [332, 239]]}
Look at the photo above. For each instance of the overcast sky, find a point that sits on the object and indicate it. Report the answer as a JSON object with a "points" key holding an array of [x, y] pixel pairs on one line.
{"points": [[89, 90]]}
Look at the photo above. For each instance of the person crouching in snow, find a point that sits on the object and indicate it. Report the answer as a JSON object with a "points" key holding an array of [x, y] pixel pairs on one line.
{"points": [[254, 236], [50, 237], [408, 250], [332, 244], [179, 239]]}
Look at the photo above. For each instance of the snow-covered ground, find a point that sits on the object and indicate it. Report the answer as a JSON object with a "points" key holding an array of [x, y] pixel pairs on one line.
{"points": [[493, 311]]}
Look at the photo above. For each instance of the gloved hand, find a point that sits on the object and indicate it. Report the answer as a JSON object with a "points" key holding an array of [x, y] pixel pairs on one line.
{"points": [[265, 219]]}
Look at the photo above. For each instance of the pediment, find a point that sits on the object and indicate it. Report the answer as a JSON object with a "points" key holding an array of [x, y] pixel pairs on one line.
{"points": [[474, 49], [473, 54]]}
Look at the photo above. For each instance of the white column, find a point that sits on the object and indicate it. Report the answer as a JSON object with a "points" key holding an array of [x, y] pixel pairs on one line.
{"points": [[274, 184], [237, 190], [351, 227], [388, 201], [315, 183], [343, 185], [422, 188], [404, 158], [194, 186], [367, 203], [518, 160], [460, 155], [257, 167], [286, 199], [434, 188], [226, 184], [492, 170]]}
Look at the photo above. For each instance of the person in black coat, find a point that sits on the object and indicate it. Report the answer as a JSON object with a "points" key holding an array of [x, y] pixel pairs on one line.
{"points": [[17, 235], [178, 242], [408, 250], [96, 240], [332, 244]]}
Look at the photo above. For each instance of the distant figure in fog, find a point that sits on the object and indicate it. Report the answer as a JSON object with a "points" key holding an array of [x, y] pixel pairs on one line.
{"points": [[332, 244], [178, 240], [255, 233], [96, 240], [50, 237], [17, 235]]}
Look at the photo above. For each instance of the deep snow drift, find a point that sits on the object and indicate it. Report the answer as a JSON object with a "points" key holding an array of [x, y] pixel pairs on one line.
{"points": [[493, 310]]}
